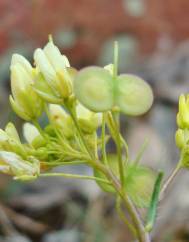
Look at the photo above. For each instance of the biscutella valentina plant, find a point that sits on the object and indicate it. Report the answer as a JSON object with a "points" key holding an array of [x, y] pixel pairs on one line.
{"points": [[77, 104]]}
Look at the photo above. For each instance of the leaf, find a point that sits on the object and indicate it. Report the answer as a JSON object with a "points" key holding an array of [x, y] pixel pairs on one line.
{"points": [[151, 214]]}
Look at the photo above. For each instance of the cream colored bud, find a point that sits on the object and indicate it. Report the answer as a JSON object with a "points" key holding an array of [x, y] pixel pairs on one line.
{"points": [[21, 81], [10, 141], [30, 132], [58, 61], [12, 132], [61, 119], [53, 67], [44, 65], [88, 120], [25, 101], [12, 164], [45, 91], [110, 68], [19, 59]]}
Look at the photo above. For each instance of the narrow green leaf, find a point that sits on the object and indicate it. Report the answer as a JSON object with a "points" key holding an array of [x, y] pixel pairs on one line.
{"points": [[152, 211]]}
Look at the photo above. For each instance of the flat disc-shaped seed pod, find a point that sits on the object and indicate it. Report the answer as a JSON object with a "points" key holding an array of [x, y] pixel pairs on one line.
{"points": [[134, 96], [93, 87]]}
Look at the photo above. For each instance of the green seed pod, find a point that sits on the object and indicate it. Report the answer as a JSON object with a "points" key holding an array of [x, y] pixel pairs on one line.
{"points": [[133, 95], [93, 87]]}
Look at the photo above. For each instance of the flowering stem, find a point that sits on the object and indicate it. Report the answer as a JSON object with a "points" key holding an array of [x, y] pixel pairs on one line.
{"points": [[66, 175], [142, 235], [66, 163]]}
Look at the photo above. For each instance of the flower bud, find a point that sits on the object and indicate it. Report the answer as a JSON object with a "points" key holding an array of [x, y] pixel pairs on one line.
{"points": [[181, 138], [24, 100], [12, 132], [32, 136], [183, 114], [62, 120], [110, 68], [19, 59], [88, 121], [45, 91], [53, 67], [12, 164], [10, 141]]}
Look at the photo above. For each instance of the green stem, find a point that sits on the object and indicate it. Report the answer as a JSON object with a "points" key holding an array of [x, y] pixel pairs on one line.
{"points": [[74, 176], [119, 149], [169, 181], [126, 148], [115, 70], [74, 118], [36, 124], [67, 163], [142, 235], [141, 152], [104, 155], [123, 217]]}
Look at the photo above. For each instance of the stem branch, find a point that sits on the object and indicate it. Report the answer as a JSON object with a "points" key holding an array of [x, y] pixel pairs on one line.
{"points": [[169, 181], [74, 176]]}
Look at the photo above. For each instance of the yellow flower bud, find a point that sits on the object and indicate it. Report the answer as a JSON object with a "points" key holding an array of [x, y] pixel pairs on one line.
{"points": [[12, 164], [88, 120], [53, 67], [62, 120], [181, 138], [183, 114], [24, 100]]}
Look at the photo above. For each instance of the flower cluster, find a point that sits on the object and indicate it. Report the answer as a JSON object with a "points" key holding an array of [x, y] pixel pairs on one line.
{"points": [[80, 113], [47, 88], [182, 134], [76, 104]]}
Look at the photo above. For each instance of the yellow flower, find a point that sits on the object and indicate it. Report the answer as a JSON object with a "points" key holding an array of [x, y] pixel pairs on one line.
{"points": [[183, 114], [24, 100]]}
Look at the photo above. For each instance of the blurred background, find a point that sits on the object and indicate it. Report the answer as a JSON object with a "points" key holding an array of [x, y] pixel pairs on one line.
{"points": [[153, 38]]}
